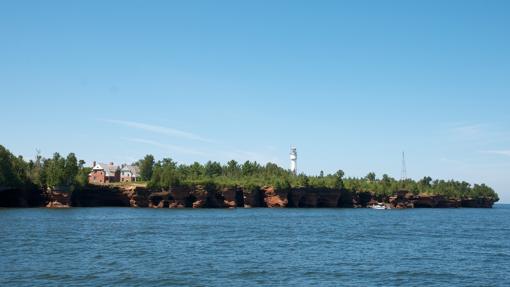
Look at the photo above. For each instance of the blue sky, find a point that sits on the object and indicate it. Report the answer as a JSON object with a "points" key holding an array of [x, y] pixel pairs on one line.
{"points": [[352, 84]]}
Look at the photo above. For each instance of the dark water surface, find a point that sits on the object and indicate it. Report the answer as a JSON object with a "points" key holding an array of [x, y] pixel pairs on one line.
{"points": [[268, 247]]}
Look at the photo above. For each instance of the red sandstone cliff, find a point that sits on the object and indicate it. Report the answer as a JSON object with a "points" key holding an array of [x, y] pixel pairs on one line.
{"points": [[214, 197], [273, 198]]}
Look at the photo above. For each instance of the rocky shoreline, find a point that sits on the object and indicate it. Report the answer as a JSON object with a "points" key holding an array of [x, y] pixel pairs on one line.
{"points": [[212, 197]]}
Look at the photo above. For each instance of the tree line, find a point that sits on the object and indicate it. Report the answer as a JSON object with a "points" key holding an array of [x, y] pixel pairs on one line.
{"points": [[167, 173], [69, 172], [55, 172]]}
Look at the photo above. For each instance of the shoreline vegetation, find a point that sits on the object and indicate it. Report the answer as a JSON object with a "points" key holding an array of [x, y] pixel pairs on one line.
{"points": [[63, 182]]}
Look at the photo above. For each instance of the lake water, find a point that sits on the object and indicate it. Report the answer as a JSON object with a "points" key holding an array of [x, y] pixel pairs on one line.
{"points": [[268, 247]]}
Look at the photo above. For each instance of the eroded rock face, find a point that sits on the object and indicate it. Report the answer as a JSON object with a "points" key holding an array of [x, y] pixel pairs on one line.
{"points": [[212, 197], [478, 202], [93, 196], [399, 202], [274, 198], [181, 197], [138, 196], [349, 198], [328, 198], [346, 199], [424, 201], [294, 197], [458, 203], [362, 199], [310, 198], [10, 197], [253, 198], [202, 197], [207, 197], [408, 200], [231, 197], [318, 197], [159, 199], [58, 199]]}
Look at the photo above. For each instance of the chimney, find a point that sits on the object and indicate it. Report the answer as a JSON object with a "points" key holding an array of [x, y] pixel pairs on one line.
{"points": [[93, 163]]}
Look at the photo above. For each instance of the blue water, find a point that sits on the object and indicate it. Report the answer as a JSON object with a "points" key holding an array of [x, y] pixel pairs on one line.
{"points": [[268, 247]]}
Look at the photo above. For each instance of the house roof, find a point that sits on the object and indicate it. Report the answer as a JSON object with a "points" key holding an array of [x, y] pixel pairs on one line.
{"points": [[109, 169], [135, 171]]}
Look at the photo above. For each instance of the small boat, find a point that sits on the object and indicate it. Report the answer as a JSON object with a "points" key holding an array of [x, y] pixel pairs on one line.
{"points": [[379, 206]]}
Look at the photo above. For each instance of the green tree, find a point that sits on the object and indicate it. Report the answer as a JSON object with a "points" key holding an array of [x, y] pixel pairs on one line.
{"points": [[83, 176], [35, 170], [13, 170], [249, 168], [165, 175], [232, 169], [425, 182], [54, 170], [212, 169], [338, 181], [71, 169], [196, 171], [146, 166], [302, 180], [370, 176], [281, 184]]}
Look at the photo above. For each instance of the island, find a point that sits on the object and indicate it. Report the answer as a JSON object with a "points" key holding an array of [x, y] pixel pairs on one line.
{"points": [[66, 182]]}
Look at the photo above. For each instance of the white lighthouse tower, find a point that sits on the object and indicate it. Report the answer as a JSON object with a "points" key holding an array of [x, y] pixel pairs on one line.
{"points": [[293, 160]]}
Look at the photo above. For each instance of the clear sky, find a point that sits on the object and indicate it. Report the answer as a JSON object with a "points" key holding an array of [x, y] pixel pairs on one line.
{"points": [[351, 84]]}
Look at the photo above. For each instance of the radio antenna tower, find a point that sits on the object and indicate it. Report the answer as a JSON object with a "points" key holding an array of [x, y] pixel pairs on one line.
{"points": [[404, 169]]}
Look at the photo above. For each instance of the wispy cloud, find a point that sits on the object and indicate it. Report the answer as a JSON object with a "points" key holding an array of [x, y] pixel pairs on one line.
{"points": [[225, 155], [160, 130], [468, 130], [479, 133], [505, 152], [214, 151], [173, 148]]}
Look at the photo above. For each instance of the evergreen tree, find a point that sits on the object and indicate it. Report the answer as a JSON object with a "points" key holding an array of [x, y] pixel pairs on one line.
{"points": [[146, 166]]}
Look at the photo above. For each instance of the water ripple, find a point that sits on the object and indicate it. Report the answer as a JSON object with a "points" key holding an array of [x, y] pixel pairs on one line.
{"points": [[302, 247]]}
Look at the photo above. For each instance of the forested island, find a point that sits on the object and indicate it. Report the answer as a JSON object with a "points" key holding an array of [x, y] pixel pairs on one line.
{"points": [[63, 182]]}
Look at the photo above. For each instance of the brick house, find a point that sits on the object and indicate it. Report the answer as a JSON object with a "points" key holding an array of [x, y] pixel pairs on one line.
{"points": [[104, 173], [129, 173]]}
